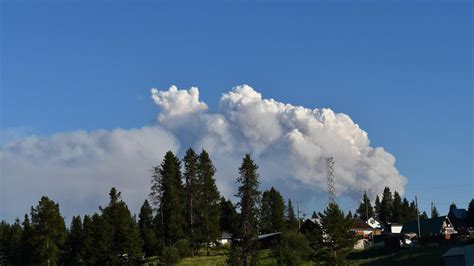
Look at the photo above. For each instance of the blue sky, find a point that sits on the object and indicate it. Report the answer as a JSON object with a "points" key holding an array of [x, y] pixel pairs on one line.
{"points": [[402, 71]]}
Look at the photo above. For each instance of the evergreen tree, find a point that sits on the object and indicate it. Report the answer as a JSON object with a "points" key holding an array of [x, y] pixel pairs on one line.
{"points": [[266, 213], [337, 240], [208, 203], [377, 206], [48, 232], [424, 215], [412, 211], [470, 213], [168, 194], [314, 215], [453, 206], [385, 214], [228, 217], [246, 250], [190, 161], [147, 232], [397, 209], [272, 212], [349, 215], [126, 243], [97, 241], [10, 243], [405, 210], [434, 212], [27, 242], [365, 208], [74, 242], [291, 220]]}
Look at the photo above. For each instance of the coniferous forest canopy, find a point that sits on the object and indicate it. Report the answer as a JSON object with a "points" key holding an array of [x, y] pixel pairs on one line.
{"points": [[185, 213]]}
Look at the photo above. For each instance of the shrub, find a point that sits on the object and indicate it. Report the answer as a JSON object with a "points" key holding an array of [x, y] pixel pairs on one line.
{"points": [[170, 255], [292, 249], [183, 247]]}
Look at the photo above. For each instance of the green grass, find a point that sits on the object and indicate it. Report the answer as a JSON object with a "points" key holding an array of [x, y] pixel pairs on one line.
{"points": [[419, 256]]}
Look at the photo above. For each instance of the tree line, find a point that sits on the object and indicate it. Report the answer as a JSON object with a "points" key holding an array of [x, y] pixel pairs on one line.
{"points": [[391, 208], [185, 214]]}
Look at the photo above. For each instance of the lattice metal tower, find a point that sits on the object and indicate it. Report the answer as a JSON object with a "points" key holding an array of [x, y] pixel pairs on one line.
{"points": [[330, 179]]}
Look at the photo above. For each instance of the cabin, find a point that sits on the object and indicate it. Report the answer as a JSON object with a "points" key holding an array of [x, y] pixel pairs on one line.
{"points": [[309, 226], [362, 229], [225, 238], [440, 226], [459, 219]]}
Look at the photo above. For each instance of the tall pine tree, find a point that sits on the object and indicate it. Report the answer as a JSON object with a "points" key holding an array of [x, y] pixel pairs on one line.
{"points": [[365, 210], [434, 212], [126, 243], [48, 232], [208, 203], [385, 214], [397, 209], [74, 242], [337, 240], [249, 196], [291, 220], [191, 160], [377, 206], [147, 232], [228, 217], [272, 212], [168, 195]]}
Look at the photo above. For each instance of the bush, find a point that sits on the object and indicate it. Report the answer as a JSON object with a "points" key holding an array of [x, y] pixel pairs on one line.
{"points": [[170, 255], [183, 247], [293, 249]]}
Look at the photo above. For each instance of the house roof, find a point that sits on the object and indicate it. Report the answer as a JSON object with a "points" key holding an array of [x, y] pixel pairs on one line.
{"points": [[428, 227], [226, 235], [259, 237], [460, 214], [359, 224]]}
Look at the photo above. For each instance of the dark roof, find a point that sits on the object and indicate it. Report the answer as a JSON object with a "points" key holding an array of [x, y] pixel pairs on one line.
{"points": [[460, 214], [428, 227], [226, 235], [359, 224]]}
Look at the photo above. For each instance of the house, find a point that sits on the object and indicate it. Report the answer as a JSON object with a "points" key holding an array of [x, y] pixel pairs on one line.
{"points": [[362, 229], [268, 240], [309, 226], [431, 227], [392, 228], [459, 219], [225, 238]]}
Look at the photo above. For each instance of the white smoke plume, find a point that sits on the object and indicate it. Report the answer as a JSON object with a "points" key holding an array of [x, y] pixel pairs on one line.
{"points": [[288, 142]]}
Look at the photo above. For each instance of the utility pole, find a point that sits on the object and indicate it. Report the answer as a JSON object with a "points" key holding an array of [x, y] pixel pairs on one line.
{"points": [[330, 179], [366, 205], [418, 216], [298, 210]]}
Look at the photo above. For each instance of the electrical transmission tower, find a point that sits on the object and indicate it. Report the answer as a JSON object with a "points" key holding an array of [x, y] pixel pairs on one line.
{"points": [[330, 179]]}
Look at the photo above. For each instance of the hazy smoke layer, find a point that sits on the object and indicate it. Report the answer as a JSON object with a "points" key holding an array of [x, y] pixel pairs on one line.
{"points": [[289, 143]]}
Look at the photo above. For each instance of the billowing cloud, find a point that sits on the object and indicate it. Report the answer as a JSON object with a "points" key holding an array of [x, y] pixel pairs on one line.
{"points": [[77, 168], [288, 142]]}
